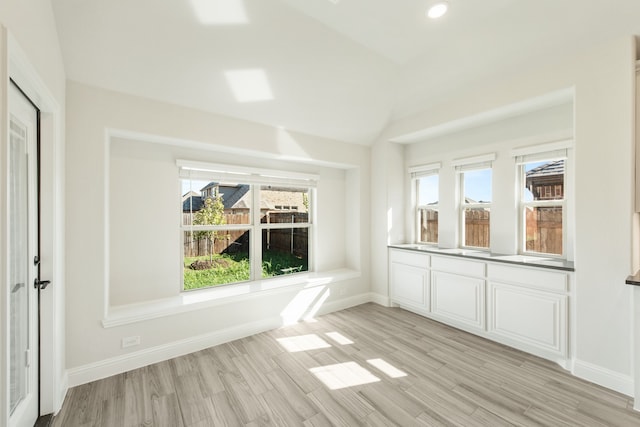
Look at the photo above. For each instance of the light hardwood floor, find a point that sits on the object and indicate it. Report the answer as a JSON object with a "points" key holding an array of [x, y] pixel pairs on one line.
{"points": [[367, 365]]}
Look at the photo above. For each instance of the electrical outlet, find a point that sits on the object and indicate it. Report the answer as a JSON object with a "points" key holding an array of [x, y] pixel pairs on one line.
{"points": [[130, 341]]}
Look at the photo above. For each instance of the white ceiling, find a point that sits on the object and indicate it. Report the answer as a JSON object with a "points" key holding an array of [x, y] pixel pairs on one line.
{"points": [[341, 69]]}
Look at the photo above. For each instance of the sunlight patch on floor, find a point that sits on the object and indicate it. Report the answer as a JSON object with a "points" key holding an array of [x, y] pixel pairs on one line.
{"points": [[343, 375], [303, 343], [387, 368], [339, 338]]}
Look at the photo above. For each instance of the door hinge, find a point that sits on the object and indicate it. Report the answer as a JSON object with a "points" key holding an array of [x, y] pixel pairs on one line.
{"points": [[27, 358]]}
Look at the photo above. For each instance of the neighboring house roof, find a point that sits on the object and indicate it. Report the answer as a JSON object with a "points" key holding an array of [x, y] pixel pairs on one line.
{"points": [[188, 194], [233, 197], [548, 169], [192, 203]]}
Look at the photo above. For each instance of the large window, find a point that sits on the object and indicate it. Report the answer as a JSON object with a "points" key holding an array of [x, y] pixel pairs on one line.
{"points": [[475, 178], [255, 226], [542, 202], [426, 186]]}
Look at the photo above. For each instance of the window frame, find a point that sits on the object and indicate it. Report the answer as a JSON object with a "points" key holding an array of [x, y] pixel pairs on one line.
{"points": [[471, 164], [523, 205], [257, 243], [416, 173], [255, 178]]}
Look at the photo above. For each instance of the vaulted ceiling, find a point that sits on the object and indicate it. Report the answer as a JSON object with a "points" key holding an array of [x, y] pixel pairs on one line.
{"points": [[341, 69]]}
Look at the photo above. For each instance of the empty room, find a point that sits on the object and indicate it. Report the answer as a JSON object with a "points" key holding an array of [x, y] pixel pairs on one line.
{"points": [[319, 213]]}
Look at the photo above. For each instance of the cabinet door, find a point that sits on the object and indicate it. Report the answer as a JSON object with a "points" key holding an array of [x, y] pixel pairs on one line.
{"points": [[458, 299], [409, 286], [531, 320]]}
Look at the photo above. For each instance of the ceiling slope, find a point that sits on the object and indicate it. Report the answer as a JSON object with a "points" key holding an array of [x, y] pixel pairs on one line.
{"points": [[340, 69]]}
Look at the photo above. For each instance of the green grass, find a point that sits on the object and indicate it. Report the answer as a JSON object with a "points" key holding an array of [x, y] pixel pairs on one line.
{"points": [[236, 268]]}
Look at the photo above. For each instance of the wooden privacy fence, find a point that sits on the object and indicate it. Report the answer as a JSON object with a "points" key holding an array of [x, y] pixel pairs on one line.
{"points": [[291, 240], [476, 228], [544, 228], [428, 225]]}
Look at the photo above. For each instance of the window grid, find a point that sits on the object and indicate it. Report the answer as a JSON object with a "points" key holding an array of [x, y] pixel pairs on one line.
{"points": [[426, 213], [475, 215], [252, 232], [542, 217]]}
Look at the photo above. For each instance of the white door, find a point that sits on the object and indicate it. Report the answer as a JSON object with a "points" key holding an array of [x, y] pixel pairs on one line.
{"points": [[22, 264]]}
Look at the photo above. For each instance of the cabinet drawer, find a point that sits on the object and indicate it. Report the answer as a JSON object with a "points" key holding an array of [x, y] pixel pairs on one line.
{"points": [[415, 259], [529, 277], [536, 319], [458, 266]]}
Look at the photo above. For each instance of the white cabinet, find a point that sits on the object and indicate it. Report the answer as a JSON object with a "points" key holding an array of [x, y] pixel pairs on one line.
{"points": [[528, 309], [530, 320], [517, 305], [409, 280], [456, 297]]}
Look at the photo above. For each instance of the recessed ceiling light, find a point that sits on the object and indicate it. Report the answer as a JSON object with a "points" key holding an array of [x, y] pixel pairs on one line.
{"points": [[437, 10]]}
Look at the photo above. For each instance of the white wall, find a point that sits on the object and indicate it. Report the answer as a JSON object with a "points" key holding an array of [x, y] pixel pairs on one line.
{"points": [[344, 168], [387, 211], [30, 24], [604, 94]]}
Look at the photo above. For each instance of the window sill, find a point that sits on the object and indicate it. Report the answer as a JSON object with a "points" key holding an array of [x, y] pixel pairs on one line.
{"points": [[197, 300]]}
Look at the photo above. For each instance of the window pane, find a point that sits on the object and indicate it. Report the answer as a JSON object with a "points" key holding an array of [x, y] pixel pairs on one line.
{"points": [[428, 225], [544, 230], [477, 186], [476, 227], [282, 205], [285, 251], [215, 258], [428, 190], [214, 203], [544, 180]]}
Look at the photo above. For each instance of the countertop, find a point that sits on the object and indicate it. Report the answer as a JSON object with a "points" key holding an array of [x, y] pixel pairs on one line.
{"points": [[522, 260]]}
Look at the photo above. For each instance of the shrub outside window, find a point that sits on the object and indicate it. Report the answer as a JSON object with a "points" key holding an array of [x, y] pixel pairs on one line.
{"points": [[542, 206]]}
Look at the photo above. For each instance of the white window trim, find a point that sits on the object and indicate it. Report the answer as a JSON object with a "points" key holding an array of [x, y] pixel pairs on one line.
{"points": [[469, 164], [546, 152], [416, 173], [233, 173], [474, 162], [204, 171]]}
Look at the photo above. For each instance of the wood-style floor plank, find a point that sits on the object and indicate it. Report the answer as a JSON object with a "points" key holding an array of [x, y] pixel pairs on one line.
{"points": [[368, 365]]}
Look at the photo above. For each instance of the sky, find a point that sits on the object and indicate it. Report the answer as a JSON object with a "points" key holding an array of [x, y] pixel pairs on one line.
{"points": [[477, 185], [188, 185]]}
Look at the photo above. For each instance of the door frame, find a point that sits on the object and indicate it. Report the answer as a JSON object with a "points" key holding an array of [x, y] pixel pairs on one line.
{"points": [[15, 65]]}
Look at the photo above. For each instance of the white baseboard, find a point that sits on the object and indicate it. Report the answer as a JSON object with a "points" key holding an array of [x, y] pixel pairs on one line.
{"points": [[380, 299], [119, 364], [610, 379]]}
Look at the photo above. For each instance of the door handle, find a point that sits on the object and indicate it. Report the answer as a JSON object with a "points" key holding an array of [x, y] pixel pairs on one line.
{"points": [[41, 284]]}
